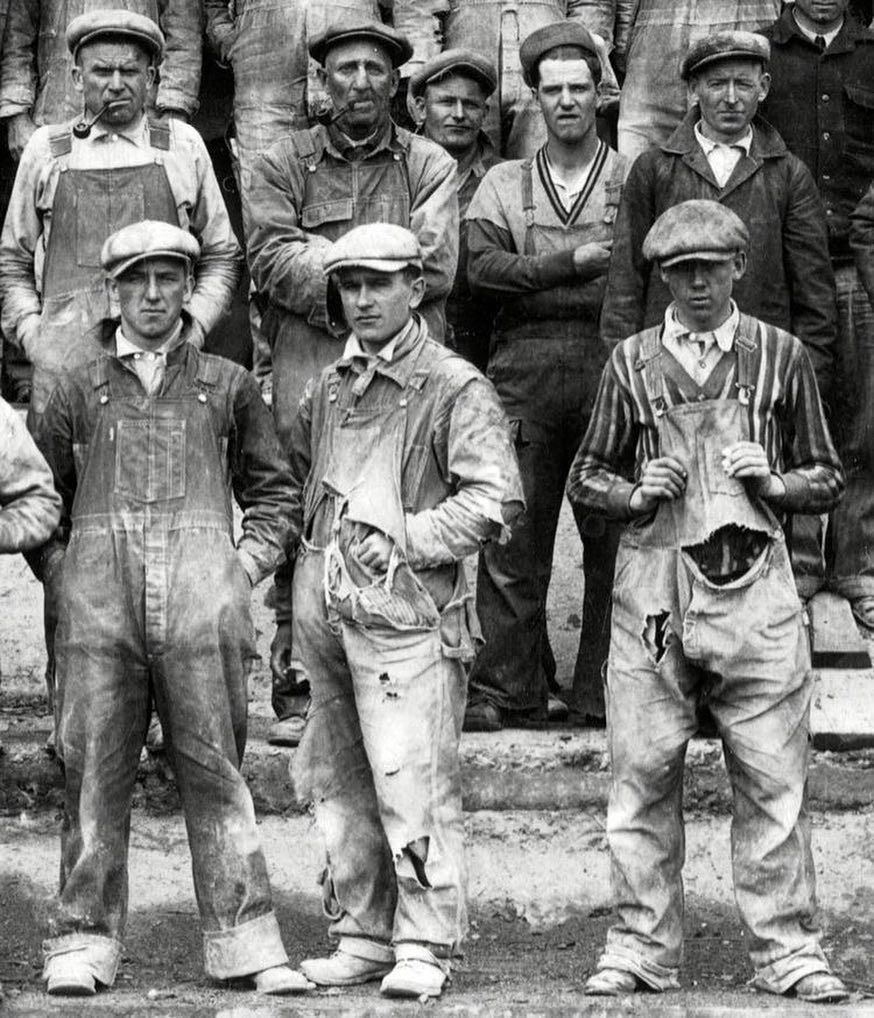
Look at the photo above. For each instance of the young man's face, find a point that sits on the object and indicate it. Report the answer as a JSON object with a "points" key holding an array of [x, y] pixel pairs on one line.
{"points": [[823, 12], [702, 290], [377, 305], [567, 95], [117, 72], [361, 82], [453, 110], [150, 297], [728, 94]]}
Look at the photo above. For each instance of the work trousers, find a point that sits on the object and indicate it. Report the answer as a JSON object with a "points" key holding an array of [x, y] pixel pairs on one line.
{"points": [[678, 641], [379, 759], [545, 392], [195, 653]]}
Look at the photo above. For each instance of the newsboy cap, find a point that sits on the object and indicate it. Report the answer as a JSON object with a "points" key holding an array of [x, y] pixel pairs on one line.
{"points": [[727, 45], [397, 46], [379, 246], [560, 33], [106, 21], [464, 62], [699, 229], [149, 239]]}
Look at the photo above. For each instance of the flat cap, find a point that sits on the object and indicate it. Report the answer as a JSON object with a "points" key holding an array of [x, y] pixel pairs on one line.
{"points": [[727, 45], [455, 61], [112, 21], [560, 33], [701, 229], [379, 246], [149, 239], [397, 46]]}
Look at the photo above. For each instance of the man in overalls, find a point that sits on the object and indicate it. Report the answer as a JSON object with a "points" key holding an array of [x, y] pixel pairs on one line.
{"points": [[540, 233], [450, 95], [146, 443], [402, 467], [708, 429], [78, 184]]}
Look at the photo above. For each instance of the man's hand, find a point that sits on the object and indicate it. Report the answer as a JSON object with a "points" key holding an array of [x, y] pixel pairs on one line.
{"points": [[591, 260], [19, 130], [28, 334], [374, 551], [748, 461], [662, 480]]}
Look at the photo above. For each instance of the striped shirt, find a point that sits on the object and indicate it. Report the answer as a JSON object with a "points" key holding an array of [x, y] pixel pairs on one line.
{"points": [[785, 417]]}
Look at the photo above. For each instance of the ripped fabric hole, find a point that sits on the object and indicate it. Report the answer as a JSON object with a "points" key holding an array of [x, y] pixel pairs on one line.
{"points": [[417, 853], [655, 635]]}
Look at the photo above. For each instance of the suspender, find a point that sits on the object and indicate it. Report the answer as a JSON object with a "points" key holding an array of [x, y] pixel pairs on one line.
{"points": [[61, 142], [527, 170]]}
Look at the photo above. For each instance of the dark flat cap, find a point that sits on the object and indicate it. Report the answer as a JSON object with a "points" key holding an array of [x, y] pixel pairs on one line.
{"points": [[106, 21], [561, 33], [383, 247], [150, 238], [397, 46], [465, 62], [700, 229], [725, 46]]}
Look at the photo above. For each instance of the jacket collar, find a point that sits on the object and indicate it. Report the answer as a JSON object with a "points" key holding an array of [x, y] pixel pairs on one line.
{"points": [[850, 35], [104, 333], [339, 145], [767, 143], [402, 365]]}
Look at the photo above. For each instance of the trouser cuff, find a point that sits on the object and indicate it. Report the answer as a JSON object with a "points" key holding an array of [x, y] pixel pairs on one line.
{"points": [[782, 975], [368, 950], [100, 955], [407, 950], [657, 977], [245, 949]]}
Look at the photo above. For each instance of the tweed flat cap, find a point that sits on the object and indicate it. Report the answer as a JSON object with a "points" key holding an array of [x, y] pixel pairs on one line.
{"points": [[107, 21], [148, 239], [379, 246], [397, 46], [700, 229], [459, 61], [561, 33], [725, 46]]}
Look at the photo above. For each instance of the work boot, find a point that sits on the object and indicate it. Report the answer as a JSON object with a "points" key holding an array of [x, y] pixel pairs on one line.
{"points": [[354, 962], [819, 988], [280, 981], [417, 973], [483, 717], [609, 982], [863, 610], [69, 975]]}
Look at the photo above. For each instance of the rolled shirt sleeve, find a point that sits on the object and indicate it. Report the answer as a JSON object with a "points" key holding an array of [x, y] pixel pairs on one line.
{"points": [[181, 23]]}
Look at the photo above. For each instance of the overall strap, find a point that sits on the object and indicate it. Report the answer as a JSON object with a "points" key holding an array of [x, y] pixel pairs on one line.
{"points": [[208, 371], [61, 142], [99, 373], [527, 170], [649, 362], [159, 134], [305, 149], [746, 343]]}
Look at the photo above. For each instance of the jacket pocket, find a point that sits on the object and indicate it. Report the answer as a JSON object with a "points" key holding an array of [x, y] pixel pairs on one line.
{"points": [[338, 211]]}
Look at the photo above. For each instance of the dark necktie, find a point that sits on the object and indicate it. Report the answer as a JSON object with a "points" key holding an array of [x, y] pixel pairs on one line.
{"points": [[819, 42]]}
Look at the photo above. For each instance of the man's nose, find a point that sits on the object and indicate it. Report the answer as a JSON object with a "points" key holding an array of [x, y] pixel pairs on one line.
{"points": [[360, 79], [116, 82], [731, 93], [458, 111], [566, 98], [152, 291], [362, 298]]}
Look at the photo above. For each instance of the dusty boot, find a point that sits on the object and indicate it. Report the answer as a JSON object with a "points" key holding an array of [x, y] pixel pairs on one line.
{"points": [[819, 988], [417, 973], [609, 982], [355, 961], [280, 981]]}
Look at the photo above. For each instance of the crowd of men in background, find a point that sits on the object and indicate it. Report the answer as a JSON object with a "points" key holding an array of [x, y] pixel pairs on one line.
{"points": [[649, 224]]}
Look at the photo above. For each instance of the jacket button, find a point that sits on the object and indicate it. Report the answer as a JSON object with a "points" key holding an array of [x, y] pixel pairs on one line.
{"points": [[202, 397], [826, 136], [825, 97]]}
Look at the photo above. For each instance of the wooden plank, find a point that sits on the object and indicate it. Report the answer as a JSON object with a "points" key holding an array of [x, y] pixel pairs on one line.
{"points": [[842, 711], [834, 636]]}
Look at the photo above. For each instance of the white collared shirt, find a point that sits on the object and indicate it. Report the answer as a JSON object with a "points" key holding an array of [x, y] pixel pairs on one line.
{"points": [[354, 348], [149, 365], [569, 189], [828, 37], [698, 352], [723, 158]]}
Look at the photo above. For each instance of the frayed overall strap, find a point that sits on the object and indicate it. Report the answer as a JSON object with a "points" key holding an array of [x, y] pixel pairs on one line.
{"points": [[649, 362]]}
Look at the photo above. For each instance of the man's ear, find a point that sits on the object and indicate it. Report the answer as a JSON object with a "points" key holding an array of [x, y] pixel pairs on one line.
{"points": [[111, 289], [416, 106], [189, 285], [395, 82], [76, 74], [322, 77], [417, 292], [738, 265], [765, 86], [151, 75]]}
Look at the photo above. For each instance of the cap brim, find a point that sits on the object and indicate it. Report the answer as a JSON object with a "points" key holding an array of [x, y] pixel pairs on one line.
{"points": [[744, 54], [377, 264], [139, 37], [122, 267], [697, 256]]}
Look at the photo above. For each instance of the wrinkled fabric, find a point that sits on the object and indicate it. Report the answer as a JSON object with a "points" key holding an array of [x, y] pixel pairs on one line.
{"points": [[307, 191], [823, 106], [146, 482], [495, 29], [545, 361], [35, 68], [200, 209], [30, 508], [788, 281], [652, 38]]}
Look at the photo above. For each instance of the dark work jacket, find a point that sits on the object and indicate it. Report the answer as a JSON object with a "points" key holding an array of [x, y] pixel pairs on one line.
{"points": [[823, 106], [789, 281]]}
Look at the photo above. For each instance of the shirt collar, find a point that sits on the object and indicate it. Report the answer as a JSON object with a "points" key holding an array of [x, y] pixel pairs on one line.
{"points": [[827, 36], [710, 146], [347, 148], [137, 132], [402, 365], [354, 348], [723, 334], [125, 348]]}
